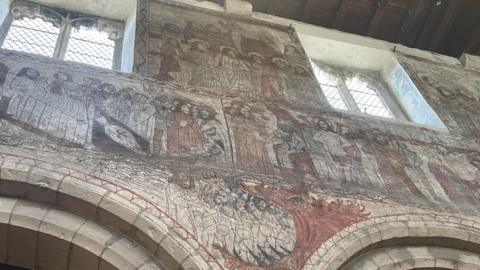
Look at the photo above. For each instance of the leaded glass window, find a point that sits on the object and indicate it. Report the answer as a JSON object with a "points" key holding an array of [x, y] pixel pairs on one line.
{"points": [[63, 34], [357, 91], [35, 36], [90, 46], [367, 97], [331, 87]]}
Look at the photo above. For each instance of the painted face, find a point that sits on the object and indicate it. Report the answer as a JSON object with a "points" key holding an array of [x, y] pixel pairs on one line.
{"points": [[185, 109], [289, 50], [231, 53], [174, 42], [173, 28], [381, 140], [202, 46], [257, 59], [221, 198], [262, 205], [126, 94], [323, 125], [205, 114], [241, 204], [32, 73], [297, 143], [109, 89], [245, 111], [141, 98], [62, 76], [300, 70], [87, 81], [280, 64], [102, 120]]}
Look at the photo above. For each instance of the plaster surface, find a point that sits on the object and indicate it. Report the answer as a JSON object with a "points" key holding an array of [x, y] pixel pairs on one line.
{"points": [[220, 142]]}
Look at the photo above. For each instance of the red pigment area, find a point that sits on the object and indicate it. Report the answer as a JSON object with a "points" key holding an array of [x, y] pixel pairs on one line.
{"points": [[316, 220]]}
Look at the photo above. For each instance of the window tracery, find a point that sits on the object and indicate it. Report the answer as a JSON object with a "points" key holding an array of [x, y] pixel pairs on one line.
{"points": [[63, 34]]}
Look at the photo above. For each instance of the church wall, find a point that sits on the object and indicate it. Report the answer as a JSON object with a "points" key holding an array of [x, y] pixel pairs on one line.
{"points": [[225, 130]]}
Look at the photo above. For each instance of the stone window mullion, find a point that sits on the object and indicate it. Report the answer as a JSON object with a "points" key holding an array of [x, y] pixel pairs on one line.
{"points": [[62, 41], [345, 92]]}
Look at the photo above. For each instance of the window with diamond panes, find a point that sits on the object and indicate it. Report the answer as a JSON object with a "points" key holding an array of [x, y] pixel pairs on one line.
{"points": [[354, 92], [73, 37], [367, 97], [35, 36], [90, 46], [330, 86]]}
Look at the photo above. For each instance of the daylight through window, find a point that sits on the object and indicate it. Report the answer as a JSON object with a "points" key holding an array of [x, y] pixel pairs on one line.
{"points": [[352, 91], [90, 46], [32, 36], [63, 34]]}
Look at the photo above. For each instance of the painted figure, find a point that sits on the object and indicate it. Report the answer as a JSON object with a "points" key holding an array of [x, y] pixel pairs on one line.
{"points": [[170, 53], [216, 149], [163, 106], [132, 109], [202, 64], [250, 138], [301, 80], [184, 136], [48, 109], [393, 168], [462, 192], [291, 151], [235, 74], [325, 145], [269, 81]]}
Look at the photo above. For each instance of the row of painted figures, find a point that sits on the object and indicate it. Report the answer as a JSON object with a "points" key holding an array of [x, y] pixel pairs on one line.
{"points": [[265, 140], [97, 113], [308, 150], [249, 75]]}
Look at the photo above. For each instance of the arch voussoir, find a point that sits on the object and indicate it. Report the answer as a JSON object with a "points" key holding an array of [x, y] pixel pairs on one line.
{"points": [[372, 233], [109, 204]]}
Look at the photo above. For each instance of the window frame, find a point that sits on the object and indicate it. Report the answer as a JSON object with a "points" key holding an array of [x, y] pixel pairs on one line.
{"points": [[383, 91], [32, 10]]}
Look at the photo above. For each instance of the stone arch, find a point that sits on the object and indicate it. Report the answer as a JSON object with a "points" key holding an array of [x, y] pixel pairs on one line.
{"points": [[109, 204], [38, 236], [420, 258], [416, 230]]}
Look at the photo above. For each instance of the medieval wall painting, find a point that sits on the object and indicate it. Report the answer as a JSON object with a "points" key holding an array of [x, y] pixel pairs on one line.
{"points": [[316, 152], [393, 166], [83, 111], [253, 226], [228, 58], [271, 212], [456, 99]]}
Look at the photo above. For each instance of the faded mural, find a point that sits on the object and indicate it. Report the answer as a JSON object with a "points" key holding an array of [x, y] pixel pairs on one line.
{"points": [[214, 54], [211, 140], [84, 111], [462, 89]]}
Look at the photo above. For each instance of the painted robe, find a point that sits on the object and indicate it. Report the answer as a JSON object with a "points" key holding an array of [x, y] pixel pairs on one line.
{"points": [[184, 136]]}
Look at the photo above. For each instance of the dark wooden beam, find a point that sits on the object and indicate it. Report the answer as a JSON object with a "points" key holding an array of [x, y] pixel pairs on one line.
{"points": [[271, 7], [430, 25], [449, 16], [411, 27], [473, 45], [307, 10], [342, 14], [377, 18]]}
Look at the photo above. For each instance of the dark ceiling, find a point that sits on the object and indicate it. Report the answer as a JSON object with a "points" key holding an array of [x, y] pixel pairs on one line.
{"points": [[445, 26]]}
